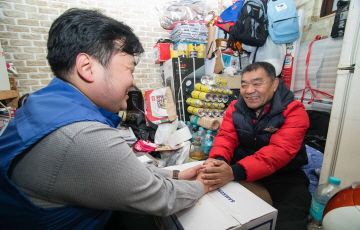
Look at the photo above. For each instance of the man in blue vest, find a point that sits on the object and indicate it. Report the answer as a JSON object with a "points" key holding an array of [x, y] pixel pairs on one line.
{"points": [[63, 163], [261, 138]]}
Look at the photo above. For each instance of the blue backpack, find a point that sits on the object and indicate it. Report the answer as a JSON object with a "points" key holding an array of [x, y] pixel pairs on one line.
{"points": [[283, 21]]}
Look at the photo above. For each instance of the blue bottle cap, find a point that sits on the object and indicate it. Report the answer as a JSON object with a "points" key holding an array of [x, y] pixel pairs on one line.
{"points": [[209, 131], [334, 180], [201, 128]]}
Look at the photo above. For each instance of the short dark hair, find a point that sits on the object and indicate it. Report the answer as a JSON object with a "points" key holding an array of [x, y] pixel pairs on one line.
{"points": [[87, 31], [269, 68]]}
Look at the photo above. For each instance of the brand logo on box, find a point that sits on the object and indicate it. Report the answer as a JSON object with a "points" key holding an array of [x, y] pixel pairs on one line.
{"points": [[226, 195]]}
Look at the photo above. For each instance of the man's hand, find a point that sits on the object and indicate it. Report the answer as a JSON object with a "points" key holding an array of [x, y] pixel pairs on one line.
{"points": [[209, 160], [199, 178], [218, 175], [190, 173]]}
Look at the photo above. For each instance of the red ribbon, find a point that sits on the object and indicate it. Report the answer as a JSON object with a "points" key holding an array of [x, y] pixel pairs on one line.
{"points": [[307, 82]]}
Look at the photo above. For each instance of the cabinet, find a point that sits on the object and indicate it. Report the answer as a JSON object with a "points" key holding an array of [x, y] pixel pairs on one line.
{"points": [[11, 97]]}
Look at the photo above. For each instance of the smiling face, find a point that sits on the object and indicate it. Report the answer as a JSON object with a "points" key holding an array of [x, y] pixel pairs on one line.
{"points": [[257, 89], [114, 82]]}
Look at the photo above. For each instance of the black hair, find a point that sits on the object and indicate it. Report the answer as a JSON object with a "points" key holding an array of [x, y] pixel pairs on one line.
{"points": [[87, 31], [269, 68]]}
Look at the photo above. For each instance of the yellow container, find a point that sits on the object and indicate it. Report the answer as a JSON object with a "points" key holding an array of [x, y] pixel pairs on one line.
{"points": [[215, 105], [196, 47], [201, 54], [201, 95], [183, 53], [221, 105], [205, 88], [174, 54], [196, 111], [194, 102], [207, 104]]}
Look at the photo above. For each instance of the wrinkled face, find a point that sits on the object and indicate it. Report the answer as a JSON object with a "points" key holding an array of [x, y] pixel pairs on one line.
{"points": [[117, 80], [257, 89]]}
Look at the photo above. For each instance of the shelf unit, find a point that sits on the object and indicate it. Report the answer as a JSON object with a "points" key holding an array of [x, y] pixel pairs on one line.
{"points": [[11, 97]]}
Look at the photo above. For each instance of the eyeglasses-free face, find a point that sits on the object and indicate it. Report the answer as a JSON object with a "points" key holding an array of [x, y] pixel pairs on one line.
{"points": [[257, 89]]}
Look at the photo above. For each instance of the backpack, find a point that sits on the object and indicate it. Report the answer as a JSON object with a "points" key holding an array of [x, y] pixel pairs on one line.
{"points": [[251, 28], [231, 14], [283, 21]]}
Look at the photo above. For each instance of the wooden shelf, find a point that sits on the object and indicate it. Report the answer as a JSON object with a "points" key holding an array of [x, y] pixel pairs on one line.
{"points": [[11, 97]]}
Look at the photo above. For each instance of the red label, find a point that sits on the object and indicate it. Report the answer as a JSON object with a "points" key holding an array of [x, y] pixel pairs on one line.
{"points": [[286, 74]]}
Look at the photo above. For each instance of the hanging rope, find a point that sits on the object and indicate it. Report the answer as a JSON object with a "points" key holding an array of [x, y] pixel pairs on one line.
{"points": [[307, 82]]}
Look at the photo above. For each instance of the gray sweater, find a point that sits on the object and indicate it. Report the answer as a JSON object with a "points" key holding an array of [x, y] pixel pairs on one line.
{"points": [[89, 164]]}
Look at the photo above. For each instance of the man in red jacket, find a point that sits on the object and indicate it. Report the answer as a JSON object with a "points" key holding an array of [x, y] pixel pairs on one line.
{"points": [[261, 139]]}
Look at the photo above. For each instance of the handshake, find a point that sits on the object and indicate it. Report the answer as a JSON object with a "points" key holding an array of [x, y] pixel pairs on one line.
{"points": [[212, 174]]}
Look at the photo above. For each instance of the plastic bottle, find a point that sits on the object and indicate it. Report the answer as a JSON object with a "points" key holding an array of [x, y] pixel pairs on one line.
{"points": [[196, 153], [208, 142], [189, 125], [193, 132], [321, 196], [201, 133], [194, 119]]}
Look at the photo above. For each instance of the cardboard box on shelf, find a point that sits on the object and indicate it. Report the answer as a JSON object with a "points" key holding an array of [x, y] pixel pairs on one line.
{"points": [[229, 207], [159, 105], [181, 74], [234, 82], [162, 52]]}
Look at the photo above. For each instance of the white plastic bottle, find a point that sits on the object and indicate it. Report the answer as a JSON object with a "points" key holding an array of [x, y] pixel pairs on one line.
{"points": [[321, 196]]}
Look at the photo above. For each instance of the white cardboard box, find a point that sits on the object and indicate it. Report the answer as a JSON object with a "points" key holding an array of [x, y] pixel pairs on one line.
{"points": [[229, 207]]}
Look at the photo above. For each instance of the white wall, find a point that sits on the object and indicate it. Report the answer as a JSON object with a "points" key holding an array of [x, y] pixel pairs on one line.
{"points": [[24, 25]]}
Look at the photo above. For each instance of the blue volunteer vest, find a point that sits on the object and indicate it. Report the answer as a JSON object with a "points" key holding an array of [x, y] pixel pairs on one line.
{"points": [[46, 110]]}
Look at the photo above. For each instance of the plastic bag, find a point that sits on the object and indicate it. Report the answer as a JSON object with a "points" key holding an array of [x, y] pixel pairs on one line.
{"points": [[163, 132], [180, 155], [272, 53], [183, 10]]}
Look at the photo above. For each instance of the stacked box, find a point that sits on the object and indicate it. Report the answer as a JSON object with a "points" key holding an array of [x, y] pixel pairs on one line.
{"points": [[162, 52], [181, 74]]}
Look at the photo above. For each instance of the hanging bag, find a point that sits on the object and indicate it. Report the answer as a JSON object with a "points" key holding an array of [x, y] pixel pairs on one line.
{"points": [[272, 53], [251, 28], [283, 21], [231, 14], [338, 28]]}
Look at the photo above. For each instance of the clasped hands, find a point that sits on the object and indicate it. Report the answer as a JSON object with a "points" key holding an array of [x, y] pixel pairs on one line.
{"points": [[212, 174]]}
